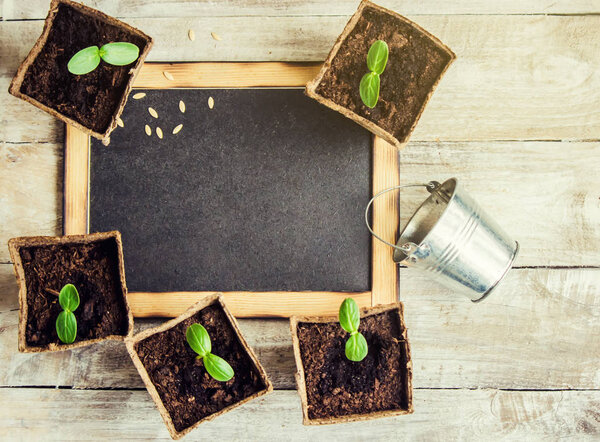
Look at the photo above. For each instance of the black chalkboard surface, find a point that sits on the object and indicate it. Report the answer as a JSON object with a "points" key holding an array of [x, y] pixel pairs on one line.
{"points": [[264, 192]]}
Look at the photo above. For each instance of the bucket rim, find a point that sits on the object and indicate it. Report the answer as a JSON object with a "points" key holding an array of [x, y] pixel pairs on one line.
{"points": [[400, 240]]}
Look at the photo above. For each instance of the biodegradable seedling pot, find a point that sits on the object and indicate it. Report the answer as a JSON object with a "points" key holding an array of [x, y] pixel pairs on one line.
{"points": [[334, 389], [91, 102], [177, 381], [94, 264], [417, 60]]}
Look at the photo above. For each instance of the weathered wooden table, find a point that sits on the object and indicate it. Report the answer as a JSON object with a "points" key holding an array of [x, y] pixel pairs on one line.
{"points": [[516, 118]]}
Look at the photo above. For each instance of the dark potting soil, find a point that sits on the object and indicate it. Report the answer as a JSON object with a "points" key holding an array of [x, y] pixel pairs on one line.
{"points": [[94, 270], [186, 389], [414, 65], [336, 386], [89, 99]]}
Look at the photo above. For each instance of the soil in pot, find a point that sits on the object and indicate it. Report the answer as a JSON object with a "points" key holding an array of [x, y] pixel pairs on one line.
{"points": [[94, 270], [414, 66], [336, 386], [185, 388], [90, 99]]}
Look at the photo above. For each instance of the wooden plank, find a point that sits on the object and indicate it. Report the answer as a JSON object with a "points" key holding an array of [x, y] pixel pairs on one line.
{"points": [[549, 315], [223, 75], [385, 223], [37, 9], [535, 191], [246, 304], [31, 200], [515, 78], [76, 182], [566, 215], [439, 415]]}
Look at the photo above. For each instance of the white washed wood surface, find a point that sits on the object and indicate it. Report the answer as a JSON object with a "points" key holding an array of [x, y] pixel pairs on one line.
{"points": [[37, 9], [521, 76], [444, 415], [546, 194], [515, 77], [539, 330]]}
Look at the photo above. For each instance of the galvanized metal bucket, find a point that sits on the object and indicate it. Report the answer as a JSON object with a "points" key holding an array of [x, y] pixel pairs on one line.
{"points": [[452, 238]]}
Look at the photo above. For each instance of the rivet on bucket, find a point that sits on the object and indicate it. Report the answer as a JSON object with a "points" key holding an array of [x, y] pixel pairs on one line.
{"points": [[452, 239]]}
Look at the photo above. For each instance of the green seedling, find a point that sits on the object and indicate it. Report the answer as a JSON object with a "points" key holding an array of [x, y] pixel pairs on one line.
{"points": [[369, 84], [356, 345], [197, 338], [88, 59], [66, 323]]}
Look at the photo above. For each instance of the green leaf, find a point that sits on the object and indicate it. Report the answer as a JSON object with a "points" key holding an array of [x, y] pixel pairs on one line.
{"points": [[84, 61], [378, 56], [66, 327], [356, 347], [68, 298], [369, 89], [197, 337], [349, 315], [120, 53], [218, 367]]}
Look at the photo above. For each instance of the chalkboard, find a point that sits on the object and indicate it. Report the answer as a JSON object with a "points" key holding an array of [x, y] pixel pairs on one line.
{"points": [[264, 192]]}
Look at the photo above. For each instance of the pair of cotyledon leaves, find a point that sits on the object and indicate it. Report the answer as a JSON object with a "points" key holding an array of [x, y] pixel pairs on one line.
{"points": [[88, 59], [349, 316], [66, 323], [369, 84], [199, 340]]}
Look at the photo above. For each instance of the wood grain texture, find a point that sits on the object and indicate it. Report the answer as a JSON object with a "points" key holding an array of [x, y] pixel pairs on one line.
{"points": [[535, 191], [224, 75], [385, 217], [37, 9], [552, 209], [439, 415], [30, 191], [76, 181], [246, 304], [550, 315], [515, 77]]}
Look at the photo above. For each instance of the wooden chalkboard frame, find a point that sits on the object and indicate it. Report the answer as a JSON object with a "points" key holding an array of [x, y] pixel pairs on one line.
{"points": [[385, 173]]}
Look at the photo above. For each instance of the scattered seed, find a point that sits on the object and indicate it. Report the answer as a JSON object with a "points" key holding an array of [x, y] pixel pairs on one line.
{"points": [[191, 35], [168, 75], [182, 106], [152, 112], [120, 122], [211, 102], [139, 95], [159, 132], [215, 36], [148, 130], [177, 129]]}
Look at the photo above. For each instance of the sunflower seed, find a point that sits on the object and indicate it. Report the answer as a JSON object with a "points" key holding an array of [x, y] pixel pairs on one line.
{"points": [[211, 102], [159, 132], [182, 106], [139, 95], [148, 130], [177, 129], [152, 112], [168, 75], [215, 36], [191, 35], [120, 122]]}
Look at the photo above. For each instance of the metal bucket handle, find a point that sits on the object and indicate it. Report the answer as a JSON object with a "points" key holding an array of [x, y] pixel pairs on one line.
{"points": [[408, 247]]}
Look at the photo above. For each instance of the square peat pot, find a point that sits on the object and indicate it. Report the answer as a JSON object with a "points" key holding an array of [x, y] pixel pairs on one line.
{"points": [[94, 265], [417, 60], [91, 102], [185, 394], [334, 389]]}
